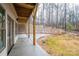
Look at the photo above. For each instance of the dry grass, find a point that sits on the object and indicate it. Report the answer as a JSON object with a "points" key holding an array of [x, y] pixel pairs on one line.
{"points": [[65, 44]]}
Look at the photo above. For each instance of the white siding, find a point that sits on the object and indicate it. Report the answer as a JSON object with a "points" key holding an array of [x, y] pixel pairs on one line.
{"points": [[9, 8]]}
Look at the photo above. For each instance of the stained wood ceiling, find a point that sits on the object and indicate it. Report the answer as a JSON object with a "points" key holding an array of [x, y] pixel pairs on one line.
{"points": [[24, 10]]}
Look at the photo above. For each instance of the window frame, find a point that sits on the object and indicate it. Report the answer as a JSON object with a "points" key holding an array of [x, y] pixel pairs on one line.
{"points": [[3, 28]]}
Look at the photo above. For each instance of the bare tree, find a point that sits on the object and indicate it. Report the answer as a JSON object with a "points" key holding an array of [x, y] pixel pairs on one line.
{"points": [[65, 16]]}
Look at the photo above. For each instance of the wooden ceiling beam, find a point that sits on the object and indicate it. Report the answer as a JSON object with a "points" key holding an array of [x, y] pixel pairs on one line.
{"points": [[22, 20], [23, 5], [23, 12], [22, 17]]}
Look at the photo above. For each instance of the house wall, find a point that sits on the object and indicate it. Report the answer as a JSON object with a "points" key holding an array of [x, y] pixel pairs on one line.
{"points": [[25, 28], [9, 8], [29, 26], [22, 29]]}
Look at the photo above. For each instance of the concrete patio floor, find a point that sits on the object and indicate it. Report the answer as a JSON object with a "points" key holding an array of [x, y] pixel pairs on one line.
{"points": [[25, 47]]}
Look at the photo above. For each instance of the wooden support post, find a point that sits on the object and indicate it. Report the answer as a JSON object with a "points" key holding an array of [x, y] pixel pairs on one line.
{"points": [[34, 26], [28, 29], [34, 31]]}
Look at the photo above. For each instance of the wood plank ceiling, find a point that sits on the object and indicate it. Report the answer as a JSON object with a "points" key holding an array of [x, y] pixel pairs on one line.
{"points": [[24, 10]]}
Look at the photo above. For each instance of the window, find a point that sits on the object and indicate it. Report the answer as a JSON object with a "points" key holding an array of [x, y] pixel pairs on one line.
{"points": [[2, 29]]}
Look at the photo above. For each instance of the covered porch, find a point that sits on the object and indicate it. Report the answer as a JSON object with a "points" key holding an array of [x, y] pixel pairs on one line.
{"points": [[24, 47], [19, 36], [26, 44]]}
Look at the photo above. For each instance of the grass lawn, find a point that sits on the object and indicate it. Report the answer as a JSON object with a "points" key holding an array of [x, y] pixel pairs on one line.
{"points": [[59, 45]]}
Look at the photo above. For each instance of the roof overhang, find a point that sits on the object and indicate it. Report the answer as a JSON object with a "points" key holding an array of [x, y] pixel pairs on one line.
{"points": [[24, 10]]}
